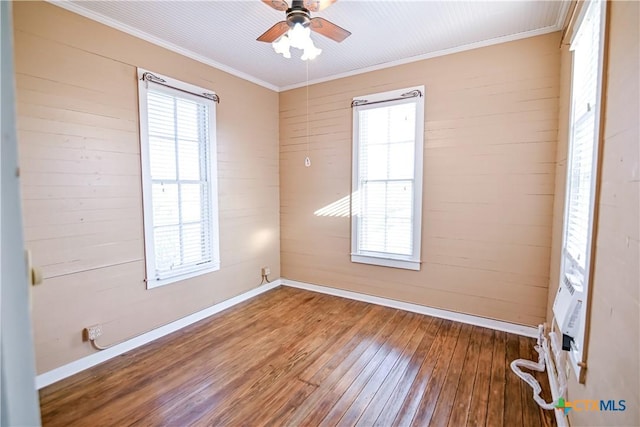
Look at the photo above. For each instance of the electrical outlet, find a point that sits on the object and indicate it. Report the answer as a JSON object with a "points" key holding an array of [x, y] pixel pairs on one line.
{"points": [[92, 333], [266, 271]]}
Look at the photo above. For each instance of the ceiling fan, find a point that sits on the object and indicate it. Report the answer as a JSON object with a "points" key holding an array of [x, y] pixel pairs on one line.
{"points": [[295, 29]]}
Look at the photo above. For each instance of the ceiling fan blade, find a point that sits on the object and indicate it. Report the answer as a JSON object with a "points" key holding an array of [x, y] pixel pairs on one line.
{"points": [[317, 5], [274, 32], [277, 4], [329, 29]]}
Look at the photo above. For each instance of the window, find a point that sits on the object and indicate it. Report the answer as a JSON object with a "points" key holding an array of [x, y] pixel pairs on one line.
{"points": [[179, 183], [387, 178], [584, 131]]}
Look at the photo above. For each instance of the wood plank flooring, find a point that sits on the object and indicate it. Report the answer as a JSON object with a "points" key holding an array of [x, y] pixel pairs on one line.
{"points": [[298, 358]]}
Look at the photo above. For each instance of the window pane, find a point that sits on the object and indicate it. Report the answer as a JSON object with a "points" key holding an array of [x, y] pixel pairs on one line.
{"points": [[189, 160], [161, 113], [372, 217], [162, 160], [167, 248], [374, 161], [401, 160], [193, 241], [188, 120], [402, 122], [165, 204], [400, 199], [191, 203], [386, 217], [579, 200], [374, 126], [387, 142], [399, 217], [399, 236]]}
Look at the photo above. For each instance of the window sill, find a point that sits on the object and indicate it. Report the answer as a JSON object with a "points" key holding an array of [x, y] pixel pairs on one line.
{"points": [[386, 262], [575, 357], [189, 275]]}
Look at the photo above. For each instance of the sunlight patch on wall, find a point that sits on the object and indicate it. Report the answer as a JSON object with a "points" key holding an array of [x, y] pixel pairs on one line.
{"points": [[262, 239], [339, 208]]}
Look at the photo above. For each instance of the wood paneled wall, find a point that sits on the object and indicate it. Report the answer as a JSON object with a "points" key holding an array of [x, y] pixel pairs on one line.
{"points": [[81, 184], [613, 357], [491, 125]]}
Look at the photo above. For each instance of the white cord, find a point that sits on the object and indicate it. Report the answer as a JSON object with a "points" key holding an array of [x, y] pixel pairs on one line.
{"points": [[264, 278], [542, 347]]}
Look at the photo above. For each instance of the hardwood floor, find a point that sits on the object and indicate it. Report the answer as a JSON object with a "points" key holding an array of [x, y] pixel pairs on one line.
{"points": [[298, 358]]}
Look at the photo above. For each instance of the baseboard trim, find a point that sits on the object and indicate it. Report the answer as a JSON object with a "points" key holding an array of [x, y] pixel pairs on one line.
{"points": [[484, 322], [87, 362], [94, 359]]}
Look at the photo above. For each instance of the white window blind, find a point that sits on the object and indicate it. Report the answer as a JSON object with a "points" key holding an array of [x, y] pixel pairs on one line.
{"points": [[583, 140], [179, 183], [388, 181]]}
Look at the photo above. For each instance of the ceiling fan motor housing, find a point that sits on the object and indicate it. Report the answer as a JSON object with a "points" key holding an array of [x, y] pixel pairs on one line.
{"points": [[297, 14]]}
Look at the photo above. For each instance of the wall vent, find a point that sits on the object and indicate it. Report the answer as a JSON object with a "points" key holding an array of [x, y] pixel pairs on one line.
{"points": [[569, 285]]}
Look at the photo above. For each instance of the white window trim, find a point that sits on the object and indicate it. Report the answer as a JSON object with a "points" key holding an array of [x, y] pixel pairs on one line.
{"points": [[212, 180], [384, 259], [577, 356]]}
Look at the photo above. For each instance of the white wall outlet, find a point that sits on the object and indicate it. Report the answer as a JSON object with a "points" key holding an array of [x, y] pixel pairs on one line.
{"points": [[266, 271], [92, 333]]}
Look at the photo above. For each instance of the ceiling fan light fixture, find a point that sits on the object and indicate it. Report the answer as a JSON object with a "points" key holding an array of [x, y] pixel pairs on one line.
{"points": [[295, 30], [299, 37], [310, 51], [282, 45]]}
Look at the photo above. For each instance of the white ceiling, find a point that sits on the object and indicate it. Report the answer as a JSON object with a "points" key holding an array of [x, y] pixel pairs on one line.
{"points": [[384, 33]]}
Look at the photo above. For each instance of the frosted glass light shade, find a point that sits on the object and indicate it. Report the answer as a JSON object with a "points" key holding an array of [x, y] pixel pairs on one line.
{"points": [[300, 38], [282, 46]]}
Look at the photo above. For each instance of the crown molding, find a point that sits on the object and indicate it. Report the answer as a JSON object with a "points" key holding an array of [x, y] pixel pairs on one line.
{"points": [[444, 52], [73, 7], [562, 16]]}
